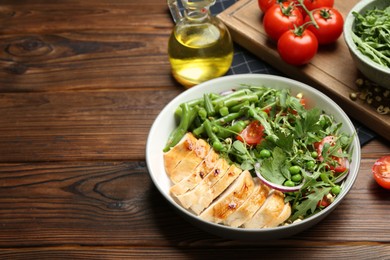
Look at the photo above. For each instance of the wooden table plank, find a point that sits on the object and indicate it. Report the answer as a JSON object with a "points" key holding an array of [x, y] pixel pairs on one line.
{"points": [[194, 251], [97, 125], [68, 45], [115, 203]]}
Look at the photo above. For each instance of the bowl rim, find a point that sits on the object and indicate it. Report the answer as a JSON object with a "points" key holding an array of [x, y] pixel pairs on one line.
{"points": [[297, 226], [347, 30]]}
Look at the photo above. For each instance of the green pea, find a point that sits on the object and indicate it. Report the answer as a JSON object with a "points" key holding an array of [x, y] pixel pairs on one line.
{"points": [[336, 190], [264, 153], [296, 178], [218, 146], [314, 154], [310, 165], [289, 183], [295, 169]]}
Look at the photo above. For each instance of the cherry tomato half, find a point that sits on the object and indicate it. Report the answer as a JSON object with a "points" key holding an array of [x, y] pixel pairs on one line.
{"points": [[330, 22], [381, 171], [340, 163], [280, 18], [314, 4], [324, 202], [297, 49], [252, 134]]}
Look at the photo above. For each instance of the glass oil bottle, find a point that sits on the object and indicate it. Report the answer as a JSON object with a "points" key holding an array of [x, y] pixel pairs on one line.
{"points": [[200, 47]]}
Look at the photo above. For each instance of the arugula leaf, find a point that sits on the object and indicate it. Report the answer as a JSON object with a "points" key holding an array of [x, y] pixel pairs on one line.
{"points": [[285, 141], [310, 121], [308, 206]]}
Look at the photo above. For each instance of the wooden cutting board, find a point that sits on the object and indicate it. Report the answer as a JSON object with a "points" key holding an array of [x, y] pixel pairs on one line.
{"points": [[332, 70]]}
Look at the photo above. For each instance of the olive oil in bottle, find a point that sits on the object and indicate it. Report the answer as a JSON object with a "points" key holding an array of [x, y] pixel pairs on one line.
{"points": [[200, 48]]}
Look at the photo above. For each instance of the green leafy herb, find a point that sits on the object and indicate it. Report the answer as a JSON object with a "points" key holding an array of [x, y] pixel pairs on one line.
{"points": [[371, 34], [309, 204]]}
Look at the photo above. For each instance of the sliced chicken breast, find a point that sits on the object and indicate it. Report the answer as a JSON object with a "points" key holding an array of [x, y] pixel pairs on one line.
{"points": [[283, 216], [230, 200], [231, 174], [250, 206], [188, 164], [271, 209], [218, 192], [202, 192], [173, 157], [199, 173]]}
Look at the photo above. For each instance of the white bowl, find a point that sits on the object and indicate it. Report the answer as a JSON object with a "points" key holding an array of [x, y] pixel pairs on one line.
{"points": [[372, 70], [165, 123]]}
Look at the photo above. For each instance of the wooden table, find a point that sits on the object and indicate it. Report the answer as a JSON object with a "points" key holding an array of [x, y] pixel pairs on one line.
{"points": [[80, 85]]}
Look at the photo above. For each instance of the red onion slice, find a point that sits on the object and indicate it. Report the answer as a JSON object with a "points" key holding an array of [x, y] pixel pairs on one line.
{"points": [[226, 92], [276, 186]]}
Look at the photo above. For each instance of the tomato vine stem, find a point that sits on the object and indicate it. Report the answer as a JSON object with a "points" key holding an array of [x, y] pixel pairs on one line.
{"points": [[309, 13]]}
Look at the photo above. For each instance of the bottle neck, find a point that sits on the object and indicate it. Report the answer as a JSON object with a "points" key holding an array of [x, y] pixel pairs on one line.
{"points": [[197, 15]]}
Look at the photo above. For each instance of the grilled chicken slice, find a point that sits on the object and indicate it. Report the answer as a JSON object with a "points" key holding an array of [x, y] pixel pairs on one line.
{"points": [[283, 216], [199, 173], [231, 174], [173, 157], [207, 185], [231, 199], [250, 206], [188, 164], [271, 209], [202, 192]]}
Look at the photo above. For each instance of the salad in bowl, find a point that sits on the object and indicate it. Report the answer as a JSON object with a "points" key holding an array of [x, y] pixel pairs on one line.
{"points": [[253, 156]]}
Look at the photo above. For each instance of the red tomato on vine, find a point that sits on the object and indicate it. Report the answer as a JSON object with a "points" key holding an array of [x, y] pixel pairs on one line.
{"points": [[264, 5], [314, 4], [330, 22], [281, 18], [297, 47]]}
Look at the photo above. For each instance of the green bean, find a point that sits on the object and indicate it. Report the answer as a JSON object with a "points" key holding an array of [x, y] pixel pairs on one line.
{"points": [[228, 118], [238, 107], [251, 97], [225, 132], [224, 111], [237, 93], [208, 105], [217, 145], [198, 131], [191, 103], [214, 96], [202, 113], [188, 115], [238, 126]]}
